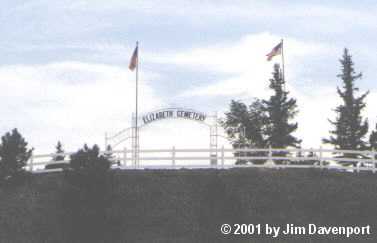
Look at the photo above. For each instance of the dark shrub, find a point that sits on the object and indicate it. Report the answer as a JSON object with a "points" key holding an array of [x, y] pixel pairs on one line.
{"points": [[59, 156], [87, 195], [14, 155]]}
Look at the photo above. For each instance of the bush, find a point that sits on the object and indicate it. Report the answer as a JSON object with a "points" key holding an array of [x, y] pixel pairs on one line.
{"points": [[87, 195], [14, 155], [59, 156], [89, 161]]}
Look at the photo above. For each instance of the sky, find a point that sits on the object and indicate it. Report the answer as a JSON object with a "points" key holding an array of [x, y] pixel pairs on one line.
{"points": [[64, 75]]}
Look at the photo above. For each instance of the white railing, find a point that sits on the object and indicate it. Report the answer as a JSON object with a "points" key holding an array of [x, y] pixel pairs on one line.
{"points": [[224, 158]]}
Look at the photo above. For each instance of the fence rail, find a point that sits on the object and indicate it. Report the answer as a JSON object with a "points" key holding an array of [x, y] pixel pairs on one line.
{"points": [[223, 158]]}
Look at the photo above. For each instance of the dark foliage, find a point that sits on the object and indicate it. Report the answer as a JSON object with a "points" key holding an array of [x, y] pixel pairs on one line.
{"points": [[280, 110], [349, 126], [59, 157], [89, 161], [373, 139], [110, 155], [185, 206], [87, 195], [14, 155], [245, 128], [264, 123], [59, 151]]}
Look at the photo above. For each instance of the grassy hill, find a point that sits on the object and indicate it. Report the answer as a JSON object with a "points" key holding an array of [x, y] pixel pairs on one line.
{"points": [[190, 205]]}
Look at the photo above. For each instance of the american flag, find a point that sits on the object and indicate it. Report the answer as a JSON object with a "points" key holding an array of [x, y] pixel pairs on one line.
{"points": [[133, 61], [275, 51]]}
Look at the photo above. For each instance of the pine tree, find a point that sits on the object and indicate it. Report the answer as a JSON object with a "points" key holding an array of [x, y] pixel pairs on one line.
{"points": [[265, 122], [350, 128], [110, 155], [59, 150], [373, 141], [280, 111], [14, 154]]}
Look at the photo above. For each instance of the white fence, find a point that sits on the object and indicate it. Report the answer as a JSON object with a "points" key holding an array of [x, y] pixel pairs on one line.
{"points": [[224, 158]]}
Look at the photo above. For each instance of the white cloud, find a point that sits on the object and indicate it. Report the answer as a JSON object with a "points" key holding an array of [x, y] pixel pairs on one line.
{"points": [[78, 102], [245, 62], [71, 101], [235, 9]]}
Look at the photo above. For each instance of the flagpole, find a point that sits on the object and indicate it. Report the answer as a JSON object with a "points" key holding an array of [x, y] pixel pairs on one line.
{"points": [[282, 61], [137, 107]]}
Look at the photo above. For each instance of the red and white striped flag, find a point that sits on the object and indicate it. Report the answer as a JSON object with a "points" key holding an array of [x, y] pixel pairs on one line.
{"points": [[275, 51], [134, 59]]}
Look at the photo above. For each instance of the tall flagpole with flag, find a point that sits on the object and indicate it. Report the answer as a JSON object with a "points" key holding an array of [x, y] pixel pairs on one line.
{"points": [[134, 65], [282, 61], [278, 50]]}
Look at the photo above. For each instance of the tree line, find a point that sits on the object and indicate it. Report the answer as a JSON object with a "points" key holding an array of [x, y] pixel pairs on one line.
{"points": [[263, 123], [270, 122], [87, 187], [15, 154]]}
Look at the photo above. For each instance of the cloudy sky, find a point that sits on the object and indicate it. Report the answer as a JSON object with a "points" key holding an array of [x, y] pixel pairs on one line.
{"points": [[64, 76]]}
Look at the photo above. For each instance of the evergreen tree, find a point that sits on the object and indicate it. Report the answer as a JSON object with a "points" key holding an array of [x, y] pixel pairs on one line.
{"points": [[109, 155], [58, 157], [350, 128], [59, 150], [265, 122], [280, 111], [373, 141], [14, 154]]}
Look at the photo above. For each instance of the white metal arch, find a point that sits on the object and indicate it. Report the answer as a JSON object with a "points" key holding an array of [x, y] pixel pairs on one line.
{"points": [[211, 121]]}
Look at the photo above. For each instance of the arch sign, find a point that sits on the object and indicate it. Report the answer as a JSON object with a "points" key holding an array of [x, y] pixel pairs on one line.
{"points": [[167, 113], [173, 113]]}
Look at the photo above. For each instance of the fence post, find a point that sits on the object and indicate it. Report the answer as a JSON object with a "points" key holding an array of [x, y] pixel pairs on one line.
{"points": [[320, 157], [31, 163], [270, 155], [125, 156], [374, 160], [133, 157], [173, 156], [222, 157]]}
